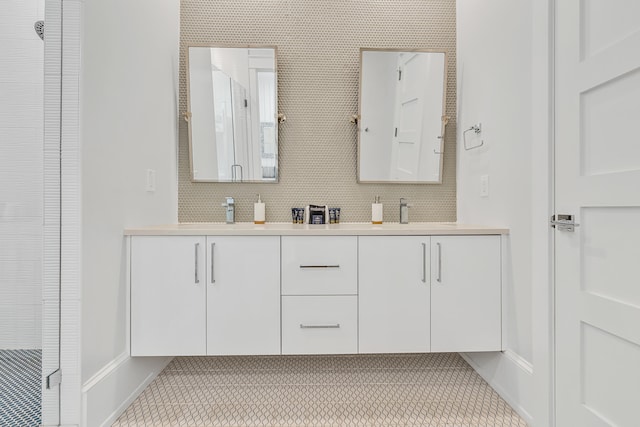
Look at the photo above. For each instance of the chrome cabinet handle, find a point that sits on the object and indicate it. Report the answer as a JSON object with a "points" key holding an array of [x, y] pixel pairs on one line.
{"points": [[329, 326], [197, 250], [439, 278], [424, 263], [319, 266], [213, 280]]}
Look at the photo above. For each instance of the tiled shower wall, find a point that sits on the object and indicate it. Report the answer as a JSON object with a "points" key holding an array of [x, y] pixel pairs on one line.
{"points": [[318, 76], [21, 174]]}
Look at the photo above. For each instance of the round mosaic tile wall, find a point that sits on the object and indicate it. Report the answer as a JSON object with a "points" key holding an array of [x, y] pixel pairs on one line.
{"points": [[318, 70]]}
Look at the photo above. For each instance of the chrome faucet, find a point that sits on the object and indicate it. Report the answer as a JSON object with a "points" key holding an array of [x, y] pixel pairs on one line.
{"points": [[404, 211], [231, 210]]}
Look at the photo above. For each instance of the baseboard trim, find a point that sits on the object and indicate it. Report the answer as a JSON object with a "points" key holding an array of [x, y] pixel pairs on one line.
{"points": [[519, 360], [108, 393], [128, 401], [510, 375], [104, 372]]}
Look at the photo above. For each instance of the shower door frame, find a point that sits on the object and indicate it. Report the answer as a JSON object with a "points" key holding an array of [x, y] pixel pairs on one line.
{"points": [[51, 249], [61, 403]]}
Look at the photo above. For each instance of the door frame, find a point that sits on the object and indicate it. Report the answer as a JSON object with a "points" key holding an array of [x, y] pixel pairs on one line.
{"points": [[542, 197]]}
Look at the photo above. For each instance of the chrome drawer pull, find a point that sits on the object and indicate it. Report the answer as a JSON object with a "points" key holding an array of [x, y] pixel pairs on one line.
{"points": [[439, 278], [197, 278], [331, 326], [424, 263], [319, 266]]}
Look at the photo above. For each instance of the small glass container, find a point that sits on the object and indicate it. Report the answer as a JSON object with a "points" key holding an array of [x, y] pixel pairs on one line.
{"points": [[334, 215], [297, 215]]}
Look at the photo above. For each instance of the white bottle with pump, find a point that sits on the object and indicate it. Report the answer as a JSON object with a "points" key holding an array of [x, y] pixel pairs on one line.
{"points": [[376, 211], [259, 212]]}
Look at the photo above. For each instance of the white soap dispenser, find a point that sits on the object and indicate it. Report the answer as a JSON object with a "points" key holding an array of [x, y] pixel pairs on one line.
{"points": [[376, 211], [259, 212]]}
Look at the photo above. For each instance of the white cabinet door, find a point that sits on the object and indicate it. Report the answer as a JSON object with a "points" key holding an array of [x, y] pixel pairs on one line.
{"points": [[243, 296], [168, 296], [466, 293], [394, 294]]}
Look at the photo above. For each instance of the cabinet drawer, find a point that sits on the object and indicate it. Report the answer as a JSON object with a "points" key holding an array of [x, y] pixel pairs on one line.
{"points": [[319, 324], [325, 265]]}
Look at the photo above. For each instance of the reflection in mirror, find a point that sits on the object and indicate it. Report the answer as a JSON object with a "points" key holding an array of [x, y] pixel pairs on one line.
{"points": [[232, 98], [402, 116]]}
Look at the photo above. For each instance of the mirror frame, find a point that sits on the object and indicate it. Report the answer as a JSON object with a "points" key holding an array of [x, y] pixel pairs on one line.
{"points": [[444, 117], [187, 114]]}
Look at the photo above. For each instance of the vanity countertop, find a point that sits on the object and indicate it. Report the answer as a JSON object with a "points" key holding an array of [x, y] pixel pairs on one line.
{"points": [[287, 229]]}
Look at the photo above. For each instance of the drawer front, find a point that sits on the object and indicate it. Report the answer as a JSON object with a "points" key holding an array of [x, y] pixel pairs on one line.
{"points": [[319, 265], [319, 324]]}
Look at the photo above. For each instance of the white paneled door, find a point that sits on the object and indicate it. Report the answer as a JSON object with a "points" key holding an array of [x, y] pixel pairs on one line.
{"points": [[598, 181], [410, 93]]}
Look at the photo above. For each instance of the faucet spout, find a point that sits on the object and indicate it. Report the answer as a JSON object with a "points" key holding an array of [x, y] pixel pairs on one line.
{"points": [[231, 210]]}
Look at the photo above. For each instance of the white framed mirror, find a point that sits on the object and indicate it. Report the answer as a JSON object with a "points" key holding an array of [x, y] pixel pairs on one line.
{"points": [[232, 99], [402, 116]]}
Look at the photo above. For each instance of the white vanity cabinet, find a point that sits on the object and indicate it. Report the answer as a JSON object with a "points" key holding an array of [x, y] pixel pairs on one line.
{"points": [[243, 295], [245, 289], [196, 295], [168, 296], [394, 294], [466, 293]]}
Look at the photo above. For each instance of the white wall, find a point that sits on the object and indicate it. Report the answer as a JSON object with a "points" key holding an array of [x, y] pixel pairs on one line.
{"points": [[494, 75], [495, 51], [21, 174], [128, 121]]}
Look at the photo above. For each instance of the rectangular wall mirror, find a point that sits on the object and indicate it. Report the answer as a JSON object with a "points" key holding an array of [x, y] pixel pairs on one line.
{"points": [[233, 117], [402, 116]]}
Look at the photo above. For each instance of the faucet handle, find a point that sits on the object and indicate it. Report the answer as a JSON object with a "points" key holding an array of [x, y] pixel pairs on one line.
{"points": [[229, 202]]}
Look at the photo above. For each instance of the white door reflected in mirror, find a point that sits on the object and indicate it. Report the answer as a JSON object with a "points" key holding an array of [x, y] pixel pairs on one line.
{"points": [[402, 116], [232, 98]]}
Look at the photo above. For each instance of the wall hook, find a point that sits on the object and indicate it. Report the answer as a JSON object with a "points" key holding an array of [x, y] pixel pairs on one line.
{"points": [[187, 116], [354, 119], [477, 129], [281, 118]]}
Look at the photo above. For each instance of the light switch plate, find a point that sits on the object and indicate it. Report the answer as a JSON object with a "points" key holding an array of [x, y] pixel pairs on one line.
{"points": [[484, 186]]}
